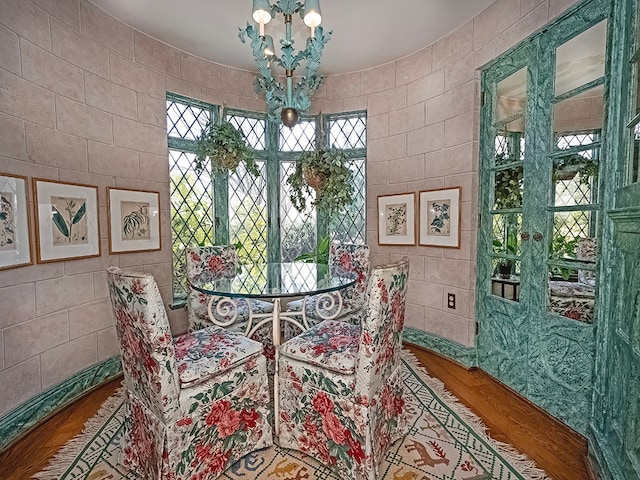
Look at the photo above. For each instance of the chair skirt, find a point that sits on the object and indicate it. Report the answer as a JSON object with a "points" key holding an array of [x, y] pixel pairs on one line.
{"points": [[219, 421], [320, 416]]}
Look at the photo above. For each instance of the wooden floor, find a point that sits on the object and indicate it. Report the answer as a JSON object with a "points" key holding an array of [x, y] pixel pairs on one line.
{"points": [[511, 419]]}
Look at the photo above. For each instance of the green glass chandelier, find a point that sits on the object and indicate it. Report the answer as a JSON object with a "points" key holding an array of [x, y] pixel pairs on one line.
{"points": [[286, 101]]}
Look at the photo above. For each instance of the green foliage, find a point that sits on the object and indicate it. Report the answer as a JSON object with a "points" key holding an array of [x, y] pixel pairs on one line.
{"points": [[508, 187], [510, 247], [226, 146], [566, 167], [319, 255], [331, 176], [563, 248]]}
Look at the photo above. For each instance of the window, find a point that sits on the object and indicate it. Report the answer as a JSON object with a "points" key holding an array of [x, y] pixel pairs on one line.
{"points": [[256, 213]]}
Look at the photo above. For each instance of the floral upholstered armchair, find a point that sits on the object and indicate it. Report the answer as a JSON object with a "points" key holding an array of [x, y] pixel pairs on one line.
{"points": [[341, 391], [194, 404], [214, 263], [345, 259]]}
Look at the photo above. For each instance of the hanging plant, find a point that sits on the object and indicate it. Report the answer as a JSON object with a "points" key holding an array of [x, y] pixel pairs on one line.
{"points": [[327, 173], [226, 146], [567, 166]]}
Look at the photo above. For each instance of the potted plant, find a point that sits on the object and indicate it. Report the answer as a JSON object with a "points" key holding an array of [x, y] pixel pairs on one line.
{"points": [[563, 248], [567, 166], [510, 247], [226, 146], [326, 171], [508, 187]]}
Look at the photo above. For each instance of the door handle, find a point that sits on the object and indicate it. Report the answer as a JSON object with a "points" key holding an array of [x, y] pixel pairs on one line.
{"points": [[524, 236], [537, 236]]}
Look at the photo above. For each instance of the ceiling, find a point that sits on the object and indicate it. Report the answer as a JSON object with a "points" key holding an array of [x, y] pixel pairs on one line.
{"points": [[366, 33]]}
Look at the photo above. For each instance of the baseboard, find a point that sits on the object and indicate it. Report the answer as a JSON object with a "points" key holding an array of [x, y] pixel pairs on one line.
{"points": [[457, 352], [18, 421]]}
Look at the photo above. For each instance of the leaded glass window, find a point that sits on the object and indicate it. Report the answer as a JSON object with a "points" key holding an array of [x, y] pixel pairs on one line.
{"points": [[200, 216]]}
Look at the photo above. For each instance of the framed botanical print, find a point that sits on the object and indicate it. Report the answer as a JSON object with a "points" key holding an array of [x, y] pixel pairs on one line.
{"points": [[134, 220], [396, 219], [440, 217], [66, 220], [15, 245]]}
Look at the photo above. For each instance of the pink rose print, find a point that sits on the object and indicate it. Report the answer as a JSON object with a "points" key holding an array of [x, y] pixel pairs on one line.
{"points": [[322, 403]]}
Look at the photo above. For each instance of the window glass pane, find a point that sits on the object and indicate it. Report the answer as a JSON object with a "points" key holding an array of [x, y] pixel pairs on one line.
{"points": [[581, 59], [508, 188], [512, 95], [192, 216], [569, 297], [300, 138], [506, 243], [351, 132], [185, 121], [580, 113], [248, 213], [635, 153], [253, 130], [575, 175], [350, 226], [297, 230]]}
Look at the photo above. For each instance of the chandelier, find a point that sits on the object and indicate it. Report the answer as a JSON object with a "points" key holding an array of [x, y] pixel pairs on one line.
{"points": [[286, 101]]}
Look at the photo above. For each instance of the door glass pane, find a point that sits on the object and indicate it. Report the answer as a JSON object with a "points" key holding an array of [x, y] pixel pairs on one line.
{"points": [[508, 188], [579, 113], [509, 148], [581, 59]]}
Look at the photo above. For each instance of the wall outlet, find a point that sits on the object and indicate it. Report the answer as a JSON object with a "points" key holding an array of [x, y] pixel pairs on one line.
{"points": [[451, 300]]}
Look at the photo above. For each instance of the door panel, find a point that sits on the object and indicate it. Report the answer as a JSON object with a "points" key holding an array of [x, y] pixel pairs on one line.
{"points": [[541, 138]]}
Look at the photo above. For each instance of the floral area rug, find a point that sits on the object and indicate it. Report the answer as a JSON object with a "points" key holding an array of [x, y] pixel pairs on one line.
{"points": [[446, 442]]}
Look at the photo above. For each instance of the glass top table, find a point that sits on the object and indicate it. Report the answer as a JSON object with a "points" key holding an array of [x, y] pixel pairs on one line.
{"points": [[272, 281], [275, 280]]}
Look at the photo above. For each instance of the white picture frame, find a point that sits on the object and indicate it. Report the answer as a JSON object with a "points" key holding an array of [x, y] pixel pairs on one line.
{"points": [[134, 220], [397, 219], [15, 242], [439, 217], [67, 223]]}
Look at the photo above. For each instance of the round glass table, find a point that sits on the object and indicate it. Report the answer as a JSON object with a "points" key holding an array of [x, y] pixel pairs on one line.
{"points": [[273, 281]]}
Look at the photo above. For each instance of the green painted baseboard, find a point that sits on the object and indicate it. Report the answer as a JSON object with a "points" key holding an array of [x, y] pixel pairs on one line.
{"points": [[17, 421], [442, 346]]}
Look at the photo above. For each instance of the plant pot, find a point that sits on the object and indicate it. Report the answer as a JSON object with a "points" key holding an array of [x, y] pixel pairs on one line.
{"points": [[313, 178], [504, 270], [227, 162]]}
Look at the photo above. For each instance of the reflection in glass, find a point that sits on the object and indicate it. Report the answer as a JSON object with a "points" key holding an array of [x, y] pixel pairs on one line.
{"points": [[572, 299], [581, 59], [506, 285], [511, 98], [579, 113], [508, 188]]}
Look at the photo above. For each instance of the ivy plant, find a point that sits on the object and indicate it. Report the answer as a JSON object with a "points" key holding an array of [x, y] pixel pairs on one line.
{"points": [[326, 171], [226, 146]]}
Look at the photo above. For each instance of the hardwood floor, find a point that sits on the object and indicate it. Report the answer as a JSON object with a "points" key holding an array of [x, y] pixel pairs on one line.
{"points": [[511, 419]]}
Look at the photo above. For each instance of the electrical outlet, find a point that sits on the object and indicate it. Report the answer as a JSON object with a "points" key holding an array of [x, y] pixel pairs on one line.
{"points": [[451, 300]]}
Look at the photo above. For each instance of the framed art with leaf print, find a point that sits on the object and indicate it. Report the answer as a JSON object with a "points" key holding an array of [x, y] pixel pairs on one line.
{"points": [[15, 245], [66, 220], [397, 219], [134, 220], [440, 217]]}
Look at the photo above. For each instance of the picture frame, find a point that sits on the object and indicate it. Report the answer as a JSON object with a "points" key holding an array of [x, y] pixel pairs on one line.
{"points": [[440, 217], [397, 219], [134, 220], [67, 224], [15, 242]]}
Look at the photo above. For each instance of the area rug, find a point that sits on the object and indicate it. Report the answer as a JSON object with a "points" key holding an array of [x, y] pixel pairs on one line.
{"points": [[446, 442]]}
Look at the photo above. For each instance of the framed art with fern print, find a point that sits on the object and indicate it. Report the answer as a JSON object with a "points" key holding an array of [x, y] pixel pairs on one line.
{"points": [[67, 224], [439, 216], [134, 220]]}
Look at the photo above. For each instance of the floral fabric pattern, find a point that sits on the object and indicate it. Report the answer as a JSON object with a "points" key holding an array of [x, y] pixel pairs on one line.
{"points": [[214, 263], [173, 431], [211, 351], [332, 345], [344, 259], [348, 421]]}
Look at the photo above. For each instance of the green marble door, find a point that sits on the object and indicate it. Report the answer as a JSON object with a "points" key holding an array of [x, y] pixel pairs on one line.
{"points": [[541, 191]]}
